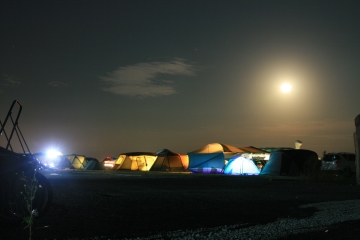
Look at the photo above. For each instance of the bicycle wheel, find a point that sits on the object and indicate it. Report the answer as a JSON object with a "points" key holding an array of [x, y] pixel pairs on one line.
{"points": [[16, 198]]}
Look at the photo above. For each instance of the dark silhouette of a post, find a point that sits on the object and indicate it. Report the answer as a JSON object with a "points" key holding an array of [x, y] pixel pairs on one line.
{"points": [[357, 147]]}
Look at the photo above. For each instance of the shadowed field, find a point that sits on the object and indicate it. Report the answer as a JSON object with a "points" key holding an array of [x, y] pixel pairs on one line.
{"points": [[131, 204]]}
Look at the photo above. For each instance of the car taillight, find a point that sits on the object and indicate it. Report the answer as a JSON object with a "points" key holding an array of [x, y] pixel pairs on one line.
{"points": [[337, 163]]}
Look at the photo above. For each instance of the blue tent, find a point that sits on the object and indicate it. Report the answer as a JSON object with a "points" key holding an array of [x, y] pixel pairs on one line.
{"points": [[241, 166], [206, 162]]}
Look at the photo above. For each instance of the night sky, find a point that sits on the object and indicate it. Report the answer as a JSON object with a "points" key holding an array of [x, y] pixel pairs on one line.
{"points": [[100, 78]]}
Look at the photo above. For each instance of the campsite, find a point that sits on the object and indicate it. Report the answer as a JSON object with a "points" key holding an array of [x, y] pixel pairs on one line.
{"points": [[179, 120], [213, 158], [157, 195]]}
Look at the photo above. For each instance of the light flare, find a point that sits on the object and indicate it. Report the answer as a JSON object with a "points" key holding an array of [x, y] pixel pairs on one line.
{"points": [[285, 87]]}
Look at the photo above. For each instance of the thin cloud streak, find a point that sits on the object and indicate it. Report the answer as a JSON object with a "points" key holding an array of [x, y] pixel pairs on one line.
{"points": [[145, 79], [10, 82]]}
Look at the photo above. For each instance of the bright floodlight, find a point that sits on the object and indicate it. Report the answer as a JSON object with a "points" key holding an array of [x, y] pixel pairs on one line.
{"points": [[285, 87], [52, 153]]}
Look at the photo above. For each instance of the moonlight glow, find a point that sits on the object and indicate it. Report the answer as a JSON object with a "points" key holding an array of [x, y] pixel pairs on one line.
{"points": [[285, 87]]}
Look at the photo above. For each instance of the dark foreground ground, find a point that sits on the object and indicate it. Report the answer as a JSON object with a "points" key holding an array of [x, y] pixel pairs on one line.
{"points": [[116, 205]]}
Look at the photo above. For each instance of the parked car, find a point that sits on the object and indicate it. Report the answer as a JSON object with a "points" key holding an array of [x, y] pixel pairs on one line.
{"points": [[109, 162], [341, 161]]}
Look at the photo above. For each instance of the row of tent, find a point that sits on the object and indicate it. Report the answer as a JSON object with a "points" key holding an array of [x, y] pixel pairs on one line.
{"points": [[281, 161], [210, 159]]}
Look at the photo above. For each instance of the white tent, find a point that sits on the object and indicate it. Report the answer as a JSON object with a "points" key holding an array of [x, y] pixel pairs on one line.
{"points": [[241, 166]]}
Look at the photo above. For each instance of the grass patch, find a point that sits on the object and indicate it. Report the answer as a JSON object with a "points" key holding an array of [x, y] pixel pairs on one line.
{"points": [[30, 188]]}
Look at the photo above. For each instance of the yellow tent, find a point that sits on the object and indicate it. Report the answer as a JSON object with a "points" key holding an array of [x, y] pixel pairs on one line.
{"points": [[77, 161], [136, 161]]}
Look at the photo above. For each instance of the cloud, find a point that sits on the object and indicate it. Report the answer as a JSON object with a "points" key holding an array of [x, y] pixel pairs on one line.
{"points": [[146, 79], [57, 84], [9, 81]]}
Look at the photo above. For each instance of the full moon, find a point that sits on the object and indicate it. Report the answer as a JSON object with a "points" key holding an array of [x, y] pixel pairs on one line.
{"points": [[285, 87]]}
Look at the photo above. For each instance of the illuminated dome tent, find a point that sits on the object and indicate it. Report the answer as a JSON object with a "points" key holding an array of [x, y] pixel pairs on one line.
{"points": [[206, 162], [241, 166], [76, 161], [168, 161], [135, 161]]}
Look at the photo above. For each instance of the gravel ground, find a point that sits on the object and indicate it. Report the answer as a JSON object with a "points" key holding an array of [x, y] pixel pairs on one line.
{"points": [[122, 205], [329, 213]]}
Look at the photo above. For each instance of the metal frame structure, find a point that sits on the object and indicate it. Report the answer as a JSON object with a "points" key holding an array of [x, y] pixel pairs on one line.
{"points": [[14, 129]]}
